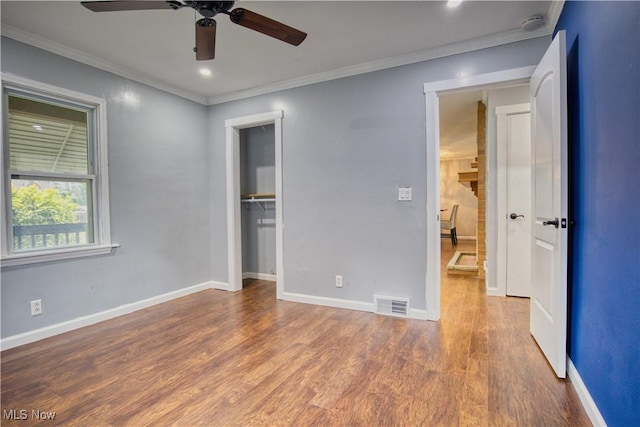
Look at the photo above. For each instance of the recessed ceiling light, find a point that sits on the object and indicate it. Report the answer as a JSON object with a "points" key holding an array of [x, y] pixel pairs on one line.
{"points": [[453, 3], [205, 72]]}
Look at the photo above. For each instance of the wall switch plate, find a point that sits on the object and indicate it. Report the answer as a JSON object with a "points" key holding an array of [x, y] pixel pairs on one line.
{"points": [[338, 281], [36, 307], [404, 194]]}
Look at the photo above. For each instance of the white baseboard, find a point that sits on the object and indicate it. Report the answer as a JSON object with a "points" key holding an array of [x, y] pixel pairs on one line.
{"points": [[259, 276], [494, 292], [415, 313], [80, 322], [585, 397], [220, 285], [328, 302], [343, 303]]}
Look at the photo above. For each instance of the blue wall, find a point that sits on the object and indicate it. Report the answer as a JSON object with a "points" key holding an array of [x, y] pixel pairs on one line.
{"points": [[603, 45]]}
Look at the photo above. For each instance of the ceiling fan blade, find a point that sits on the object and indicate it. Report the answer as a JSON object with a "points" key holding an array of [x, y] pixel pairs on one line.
{"points": [[267, 26], [117, 6], [205, 39]]}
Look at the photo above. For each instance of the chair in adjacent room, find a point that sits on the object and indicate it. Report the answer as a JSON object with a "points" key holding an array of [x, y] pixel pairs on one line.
{"points": [[450, 225]]}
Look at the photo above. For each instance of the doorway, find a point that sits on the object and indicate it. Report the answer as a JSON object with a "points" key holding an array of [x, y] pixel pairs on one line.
{"points": [[433, 91], [234, 193], [460, 183], [257, 198], [513, 260], [548, 309]]}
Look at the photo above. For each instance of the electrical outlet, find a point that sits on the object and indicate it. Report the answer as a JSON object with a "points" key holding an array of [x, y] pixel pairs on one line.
{"points": [[36, 307], [338, 281]]}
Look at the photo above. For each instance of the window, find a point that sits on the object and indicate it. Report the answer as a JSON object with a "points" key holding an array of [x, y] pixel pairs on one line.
{"points": [[55, 183]]}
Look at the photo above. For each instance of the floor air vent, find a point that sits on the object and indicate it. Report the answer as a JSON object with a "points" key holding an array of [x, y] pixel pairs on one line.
{"points": [[391, 306]]}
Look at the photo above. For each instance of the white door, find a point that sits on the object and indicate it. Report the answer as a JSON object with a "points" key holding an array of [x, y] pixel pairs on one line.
{"points": [[549, 204], [514, 200]]}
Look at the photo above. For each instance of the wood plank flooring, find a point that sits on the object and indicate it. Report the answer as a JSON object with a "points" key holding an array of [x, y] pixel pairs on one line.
{"points": [[240, 359]]}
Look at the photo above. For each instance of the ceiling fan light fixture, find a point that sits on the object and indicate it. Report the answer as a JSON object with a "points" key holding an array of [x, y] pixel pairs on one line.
{"points": [[205, 39]]}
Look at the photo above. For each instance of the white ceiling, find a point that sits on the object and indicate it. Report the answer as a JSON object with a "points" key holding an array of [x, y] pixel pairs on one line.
{"points": [[345, 38]]}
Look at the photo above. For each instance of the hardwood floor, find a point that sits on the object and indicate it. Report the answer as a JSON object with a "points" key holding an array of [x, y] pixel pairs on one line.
{"points": [[235, 359]]}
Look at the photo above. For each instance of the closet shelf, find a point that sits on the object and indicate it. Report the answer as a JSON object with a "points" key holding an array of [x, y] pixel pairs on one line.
{"points": [[258, 198]]}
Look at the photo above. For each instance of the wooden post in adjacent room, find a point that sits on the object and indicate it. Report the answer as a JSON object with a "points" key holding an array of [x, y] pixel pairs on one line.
{"points": [[481, 246]]}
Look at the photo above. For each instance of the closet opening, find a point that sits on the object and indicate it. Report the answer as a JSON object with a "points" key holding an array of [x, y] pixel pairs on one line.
{"points": [[255, 199]]}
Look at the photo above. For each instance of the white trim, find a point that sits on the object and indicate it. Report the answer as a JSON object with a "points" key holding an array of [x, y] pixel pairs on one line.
{"points": [[100, 179], [279, 207], [94, 61], [585, 397], [81, 322], [553, 15], [56, 255], [431, 92], [478, 43], [415, 313], [35, 87], [382, 64], [220, 286], [259, 276], [432, 141], [328, 302], [344, 303], [501, 194], [511, 77], [234, 236], [234, 232], [254, 120]]}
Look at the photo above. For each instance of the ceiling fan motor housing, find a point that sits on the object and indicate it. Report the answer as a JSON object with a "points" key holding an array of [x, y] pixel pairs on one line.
{"points": [[209, 9]]}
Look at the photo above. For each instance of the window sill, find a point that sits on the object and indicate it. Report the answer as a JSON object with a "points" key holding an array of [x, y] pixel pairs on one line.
{"points": [[56, 255]]}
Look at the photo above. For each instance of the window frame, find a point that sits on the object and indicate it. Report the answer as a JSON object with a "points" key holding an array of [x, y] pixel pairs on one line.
{"points": [[99, 176]]}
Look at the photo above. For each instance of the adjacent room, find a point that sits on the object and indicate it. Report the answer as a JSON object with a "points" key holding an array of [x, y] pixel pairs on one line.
{"points": [[235, 213]]}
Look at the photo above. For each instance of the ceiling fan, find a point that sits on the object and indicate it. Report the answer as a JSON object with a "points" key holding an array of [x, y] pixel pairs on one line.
{"points": [[206, 27]]}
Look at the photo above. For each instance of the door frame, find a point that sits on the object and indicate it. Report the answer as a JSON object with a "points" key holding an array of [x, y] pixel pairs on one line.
{"points": [[502, 195], [234, 222], [432, 91]]}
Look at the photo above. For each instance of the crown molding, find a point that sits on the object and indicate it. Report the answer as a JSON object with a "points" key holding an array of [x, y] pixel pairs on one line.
{"points": [[382, 64], [489, 41], [554, 13], [94, 61]]}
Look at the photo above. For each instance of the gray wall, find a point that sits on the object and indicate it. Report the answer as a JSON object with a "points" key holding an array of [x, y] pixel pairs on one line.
{"points": [[347, 146], [496, 98], [159, 209], [257, 175]]}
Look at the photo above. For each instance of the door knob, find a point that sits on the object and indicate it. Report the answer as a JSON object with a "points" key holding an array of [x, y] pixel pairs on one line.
{"points": [[514, 215], [554, 222]]}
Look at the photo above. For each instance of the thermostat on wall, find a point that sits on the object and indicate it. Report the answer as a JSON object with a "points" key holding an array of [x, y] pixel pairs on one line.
{"points": [[404, 194]]}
